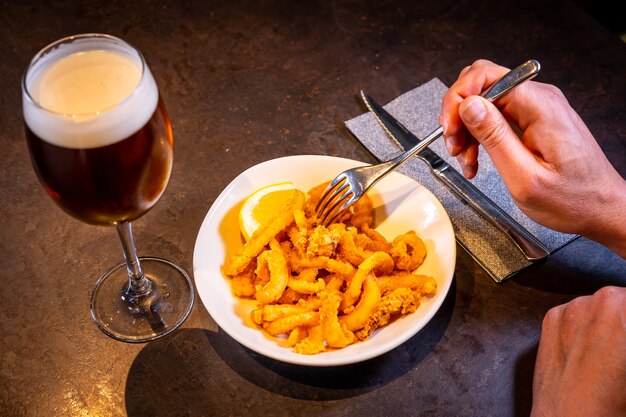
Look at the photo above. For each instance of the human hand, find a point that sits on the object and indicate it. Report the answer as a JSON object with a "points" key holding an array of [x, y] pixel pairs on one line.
{"points": [[549, 160], [581, 362]]}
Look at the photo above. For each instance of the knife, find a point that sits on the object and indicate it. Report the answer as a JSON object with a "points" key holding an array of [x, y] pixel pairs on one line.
{"points": [[530, 246]]}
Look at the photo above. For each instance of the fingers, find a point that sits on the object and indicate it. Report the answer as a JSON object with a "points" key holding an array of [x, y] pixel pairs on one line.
{"points": [[472, 81], [485, 122], [468, 158], [563, 324]]}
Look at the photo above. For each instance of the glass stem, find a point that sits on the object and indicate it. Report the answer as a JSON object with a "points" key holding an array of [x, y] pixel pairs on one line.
{"points": [[138, 285]]}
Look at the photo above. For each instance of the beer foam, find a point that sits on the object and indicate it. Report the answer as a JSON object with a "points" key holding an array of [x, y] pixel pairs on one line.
{"points": [[88, 99]]}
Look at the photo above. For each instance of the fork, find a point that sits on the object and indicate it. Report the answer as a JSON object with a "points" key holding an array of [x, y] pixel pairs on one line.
{"points": [[349, 186]]}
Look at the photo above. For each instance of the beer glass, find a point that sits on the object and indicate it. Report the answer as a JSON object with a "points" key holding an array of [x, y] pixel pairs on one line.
{"points": [[101, 144]]}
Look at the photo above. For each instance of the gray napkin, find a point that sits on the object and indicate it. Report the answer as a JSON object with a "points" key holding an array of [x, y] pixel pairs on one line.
{"points": [[418, 111]]}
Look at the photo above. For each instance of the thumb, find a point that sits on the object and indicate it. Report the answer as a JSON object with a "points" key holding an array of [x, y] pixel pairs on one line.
{"points": [[485, 122]]}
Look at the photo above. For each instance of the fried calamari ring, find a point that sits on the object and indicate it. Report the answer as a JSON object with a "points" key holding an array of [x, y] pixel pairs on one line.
{"points": [[311, 303], [362, 212], [322, 241], [323, 262], [313, 343], [399, 301], [408, 251], [308, 274], [287, 324], [261, 273], [243, 285], [314, 197], [290, 296], [297, 335], [334, 282], [424, 284], [369, 298], [374, 234], [300, 217], [377, 260], [257, 316], [367, 243], [279, 276], [272, 312], [336, 334], [349, 250], [298, 239], [306, 287]]}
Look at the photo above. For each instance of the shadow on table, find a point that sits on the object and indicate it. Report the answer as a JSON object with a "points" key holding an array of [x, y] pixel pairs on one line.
{"points": [[581, 267], [195, 370], [523, 382]]}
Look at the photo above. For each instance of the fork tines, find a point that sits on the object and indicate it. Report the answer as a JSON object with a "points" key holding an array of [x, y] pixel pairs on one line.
{"points": [[334, 200]]}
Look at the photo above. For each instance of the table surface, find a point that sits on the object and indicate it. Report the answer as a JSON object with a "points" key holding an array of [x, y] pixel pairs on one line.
{"points": [[245, 82]]}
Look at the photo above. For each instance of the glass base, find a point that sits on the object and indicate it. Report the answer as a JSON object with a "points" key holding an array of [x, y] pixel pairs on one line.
{"points": [[137, 318]]}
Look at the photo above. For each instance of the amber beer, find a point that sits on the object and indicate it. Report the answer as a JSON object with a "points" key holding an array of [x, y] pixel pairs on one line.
{"points": [[99, 136]]}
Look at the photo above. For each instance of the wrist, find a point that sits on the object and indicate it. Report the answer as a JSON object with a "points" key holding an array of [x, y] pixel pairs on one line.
{"points": [[609, 229]]}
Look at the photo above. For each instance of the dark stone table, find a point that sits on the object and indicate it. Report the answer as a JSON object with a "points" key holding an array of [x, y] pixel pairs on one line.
{"points": [[248, 81]]}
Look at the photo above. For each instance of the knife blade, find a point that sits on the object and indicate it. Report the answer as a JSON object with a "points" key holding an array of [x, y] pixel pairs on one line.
{"points": [[528, 244]]}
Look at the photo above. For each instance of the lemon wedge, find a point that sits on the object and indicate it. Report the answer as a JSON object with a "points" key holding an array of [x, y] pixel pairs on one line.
{"points": [[262, 205]]}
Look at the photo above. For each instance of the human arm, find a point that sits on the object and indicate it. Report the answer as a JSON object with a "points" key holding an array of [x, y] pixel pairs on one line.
{"points": [[549, 160]]}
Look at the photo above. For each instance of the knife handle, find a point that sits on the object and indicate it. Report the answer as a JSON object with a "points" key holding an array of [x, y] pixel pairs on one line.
{"points": [[530, 246]]}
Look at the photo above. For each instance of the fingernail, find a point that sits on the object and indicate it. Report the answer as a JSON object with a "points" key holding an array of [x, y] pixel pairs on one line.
{"points": [[473, 112], [444, 126], [468, 160], [470, 157]]}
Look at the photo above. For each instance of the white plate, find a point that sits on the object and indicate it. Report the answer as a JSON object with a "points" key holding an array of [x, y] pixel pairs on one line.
{"points": [[401, 204]]}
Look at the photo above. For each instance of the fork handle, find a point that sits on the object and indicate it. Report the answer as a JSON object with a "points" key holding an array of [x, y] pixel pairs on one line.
{"points": [[528, 244], [511, 79]]}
